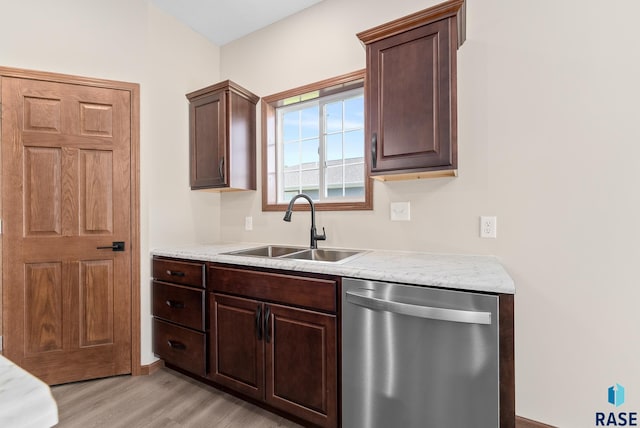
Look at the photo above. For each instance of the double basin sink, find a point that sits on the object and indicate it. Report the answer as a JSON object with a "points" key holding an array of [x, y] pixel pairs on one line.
{"points": [[298, 253]]}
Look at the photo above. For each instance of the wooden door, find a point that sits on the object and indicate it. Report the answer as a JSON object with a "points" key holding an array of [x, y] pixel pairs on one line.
{"points": [[237, 348], [301, 363], [66, 190]]}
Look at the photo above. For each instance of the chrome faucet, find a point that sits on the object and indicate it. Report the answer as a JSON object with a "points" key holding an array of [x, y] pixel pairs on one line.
{"points": [[314, 234]]}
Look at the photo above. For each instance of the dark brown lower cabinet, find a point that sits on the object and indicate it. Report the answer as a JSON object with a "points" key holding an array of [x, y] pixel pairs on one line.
{"points": [[274, 338], [281, 355]]}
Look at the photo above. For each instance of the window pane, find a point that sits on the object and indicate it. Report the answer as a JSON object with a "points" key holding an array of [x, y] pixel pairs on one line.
{"points": [[291, 153], [311, 182], [310, 151], [333, 147], [309, 122], [290, 194], [334, 176], [333, 117], [354, 144], [312, 193], [353, 192], [291, 126], [354, 113], [292, 181]]}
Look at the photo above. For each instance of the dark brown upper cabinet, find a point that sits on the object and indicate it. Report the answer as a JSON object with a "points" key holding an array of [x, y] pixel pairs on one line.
{"points": [[222, 137], [410, 96]]}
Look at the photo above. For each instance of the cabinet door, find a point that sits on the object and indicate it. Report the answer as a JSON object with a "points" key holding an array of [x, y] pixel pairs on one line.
{"points": [[301, 363], [208, 140], [411, 100], [236, 357]]}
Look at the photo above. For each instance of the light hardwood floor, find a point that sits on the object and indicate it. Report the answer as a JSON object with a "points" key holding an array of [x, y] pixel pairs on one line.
{"points": [[163, 399]]}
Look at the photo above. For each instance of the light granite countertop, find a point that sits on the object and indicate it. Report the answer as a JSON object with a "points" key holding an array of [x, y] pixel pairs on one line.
{"points": [[464, 272], [25, 400]]}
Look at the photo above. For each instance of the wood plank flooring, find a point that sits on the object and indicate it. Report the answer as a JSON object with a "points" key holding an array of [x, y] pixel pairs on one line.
{"points": [[163, 399]]}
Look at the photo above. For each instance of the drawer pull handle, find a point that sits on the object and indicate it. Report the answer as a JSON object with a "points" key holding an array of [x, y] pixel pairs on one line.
{"points": [[175, 304], [174, 273], [176, 345], [267, 325], [259, 322], [374, 150]]}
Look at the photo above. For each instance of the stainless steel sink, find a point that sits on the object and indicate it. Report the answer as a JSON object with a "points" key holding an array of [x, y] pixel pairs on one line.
{"points": [[323, 255], [266, 251], [298, 253]]}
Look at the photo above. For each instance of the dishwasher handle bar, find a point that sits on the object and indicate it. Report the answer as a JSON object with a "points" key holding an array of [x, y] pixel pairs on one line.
{"points": [[363, 298]]}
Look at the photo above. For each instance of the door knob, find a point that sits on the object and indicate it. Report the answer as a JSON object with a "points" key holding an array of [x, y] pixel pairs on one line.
{"points": [[115, 246]]}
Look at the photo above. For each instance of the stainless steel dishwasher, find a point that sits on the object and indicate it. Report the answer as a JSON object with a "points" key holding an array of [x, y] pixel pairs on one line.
{"points": [[418, 357]]}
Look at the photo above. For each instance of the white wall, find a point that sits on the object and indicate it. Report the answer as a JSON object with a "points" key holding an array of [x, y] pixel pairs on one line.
{"points": [[130, 40], [548, 142]]}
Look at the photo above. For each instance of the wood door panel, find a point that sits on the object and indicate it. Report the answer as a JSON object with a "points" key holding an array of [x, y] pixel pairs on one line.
{"points": [[42, 114], [42, 191], [296, 364], [96, 192], [301, 364], [208, 135], [237, 355], [96, 119], [96, 302], [66, 190], [43, 303], [405, 99]]}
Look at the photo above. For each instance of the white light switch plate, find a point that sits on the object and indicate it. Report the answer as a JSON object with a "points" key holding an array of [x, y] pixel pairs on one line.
{"points": [[400, 211]]}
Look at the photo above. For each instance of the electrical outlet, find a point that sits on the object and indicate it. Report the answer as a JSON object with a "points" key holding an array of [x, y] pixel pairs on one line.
{"points": [[488, 226], [248, 223]]}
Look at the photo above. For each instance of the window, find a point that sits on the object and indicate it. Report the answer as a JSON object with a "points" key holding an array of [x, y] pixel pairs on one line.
{"points": [[313, 143]]}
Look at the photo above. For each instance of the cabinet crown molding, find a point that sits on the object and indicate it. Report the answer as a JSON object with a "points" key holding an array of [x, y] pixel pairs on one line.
{"points": [[227, 84], [440, 11]]}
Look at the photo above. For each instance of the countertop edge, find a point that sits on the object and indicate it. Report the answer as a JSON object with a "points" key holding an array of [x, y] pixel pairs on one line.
{"points": [[479, 273]]}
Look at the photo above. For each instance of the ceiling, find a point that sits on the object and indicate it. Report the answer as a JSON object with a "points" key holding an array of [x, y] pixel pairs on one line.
{"points": [[222, 21]]}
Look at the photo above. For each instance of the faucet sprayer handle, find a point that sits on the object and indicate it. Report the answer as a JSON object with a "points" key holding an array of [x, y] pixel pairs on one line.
{"points": [[322, 237]]}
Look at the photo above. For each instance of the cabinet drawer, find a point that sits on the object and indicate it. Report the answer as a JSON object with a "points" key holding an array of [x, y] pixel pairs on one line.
{"points": [[313, 293], [180, 346], [179, 272], [182, 305]]}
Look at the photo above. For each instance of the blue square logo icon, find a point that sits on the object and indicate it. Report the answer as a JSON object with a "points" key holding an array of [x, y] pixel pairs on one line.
{"points": [[616, 395]]}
